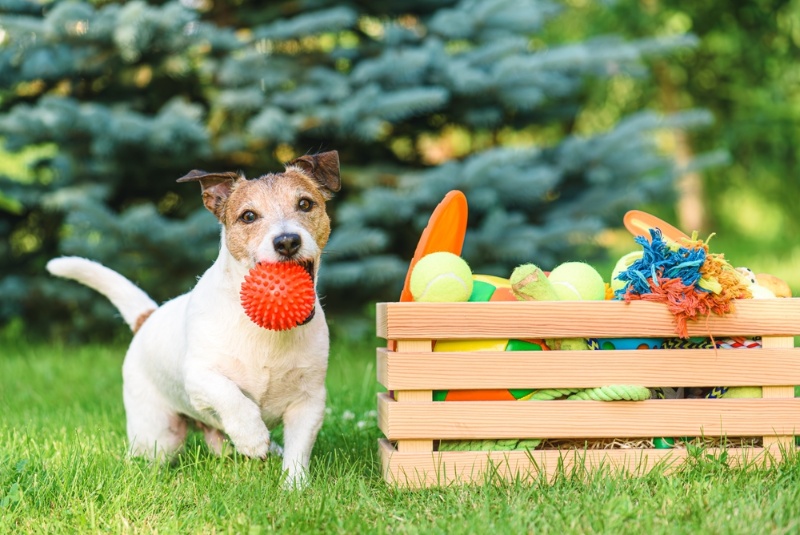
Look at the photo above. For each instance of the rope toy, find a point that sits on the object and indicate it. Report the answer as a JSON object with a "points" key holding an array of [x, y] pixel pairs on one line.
{"points": [[691, 281], [549, 394], [489, 445], [613, 393]]}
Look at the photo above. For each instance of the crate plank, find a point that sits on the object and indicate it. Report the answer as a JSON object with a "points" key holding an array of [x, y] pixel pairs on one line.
{"points": [[421, 347], [584, 369], [569, 319], [416, 470], [770, 391], [588, 419]]}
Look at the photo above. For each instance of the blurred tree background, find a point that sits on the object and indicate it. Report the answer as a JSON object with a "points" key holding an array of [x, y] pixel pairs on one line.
{"points": [[542, 112], [744, 70]]}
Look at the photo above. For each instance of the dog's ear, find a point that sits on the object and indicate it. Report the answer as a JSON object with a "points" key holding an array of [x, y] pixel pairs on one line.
{"points": [[322, 167], [216, 188]]}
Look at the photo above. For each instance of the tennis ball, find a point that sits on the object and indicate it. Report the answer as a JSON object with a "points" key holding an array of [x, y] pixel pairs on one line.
{"points": [[278, 296], [576, 281], [440, 278], [743, 392], [622, 265], [529, 283]]}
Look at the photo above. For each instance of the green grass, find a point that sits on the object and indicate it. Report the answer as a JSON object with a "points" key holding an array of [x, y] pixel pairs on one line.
{"points": [[63, 469]]}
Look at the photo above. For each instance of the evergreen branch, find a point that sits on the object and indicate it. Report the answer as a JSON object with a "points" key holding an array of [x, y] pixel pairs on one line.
{"points": [[329, 20]]}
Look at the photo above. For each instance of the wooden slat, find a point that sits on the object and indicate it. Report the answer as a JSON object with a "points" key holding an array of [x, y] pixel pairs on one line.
{"points": [[584, 369], [778, 392], [415, 445], [569, 319], [588, 419], [420, 347], [417, 470]]}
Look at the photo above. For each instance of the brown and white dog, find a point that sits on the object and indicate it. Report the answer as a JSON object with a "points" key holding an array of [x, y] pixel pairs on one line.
{"points": [[198, 357]]}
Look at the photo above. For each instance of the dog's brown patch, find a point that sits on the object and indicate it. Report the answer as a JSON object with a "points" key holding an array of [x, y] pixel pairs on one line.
{"points": [[323, 168], [141, 319]]}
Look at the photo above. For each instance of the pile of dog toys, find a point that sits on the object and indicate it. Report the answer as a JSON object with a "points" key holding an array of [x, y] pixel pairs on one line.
{"points": [[670, 267]]}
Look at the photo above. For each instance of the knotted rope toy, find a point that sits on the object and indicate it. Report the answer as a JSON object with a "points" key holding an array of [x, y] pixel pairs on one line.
{"points": [[278, 296], [691, 281], [510, 444], [613, 393]]}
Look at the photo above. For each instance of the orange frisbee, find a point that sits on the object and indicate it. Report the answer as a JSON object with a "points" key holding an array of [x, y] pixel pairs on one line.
{"points": [[639, 223], [444, 233]]}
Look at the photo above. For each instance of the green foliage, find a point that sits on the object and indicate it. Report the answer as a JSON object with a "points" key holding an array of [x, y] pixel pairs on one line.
{"points": [[743, 70], [419, 98]]}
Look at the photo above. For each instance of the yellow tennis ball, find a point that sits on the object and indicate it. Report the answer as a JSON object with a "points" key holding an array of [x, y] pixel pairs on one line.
{"points": [[576, 281], [441, 278], [743, 392]]}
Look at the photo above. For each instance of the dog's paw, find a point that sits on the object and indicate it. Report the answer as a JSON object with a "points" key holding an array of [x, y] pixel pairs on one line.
{"points": [[255, 444], [275, 449]]}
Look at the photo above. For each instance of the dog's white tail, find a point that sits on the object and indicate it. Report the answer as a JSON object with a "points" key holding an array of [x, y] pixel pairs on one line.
{"points": [[134, 305]]}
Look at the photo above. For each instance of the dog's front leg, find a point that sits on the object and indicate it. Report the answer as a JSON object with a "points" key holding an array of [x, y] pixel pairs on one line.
{"points": [[301, 423], [214, 394]]}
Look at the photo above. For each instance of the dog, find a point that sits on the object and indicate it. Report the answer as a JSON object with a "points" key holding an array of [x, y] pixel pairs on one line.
{"points": [[198, 357]]}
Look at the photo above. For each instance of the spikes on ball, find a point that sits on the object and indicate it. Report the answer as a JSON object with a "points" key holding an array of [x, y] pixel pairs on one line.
{"points": [[278, 296]]}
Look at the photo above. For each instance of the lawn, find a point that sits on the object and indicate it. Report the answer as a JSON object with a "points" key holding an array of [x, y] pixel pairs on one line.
{"points": [[63, 469]]}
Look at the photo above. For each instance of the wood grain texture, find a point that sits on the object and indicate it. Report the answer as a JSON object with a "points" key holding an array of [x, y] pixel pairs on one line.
{"points": [[414, 396], [570, 319], [417, 470], [422, 348], [584, 369], [778, 392], [588, 419]]}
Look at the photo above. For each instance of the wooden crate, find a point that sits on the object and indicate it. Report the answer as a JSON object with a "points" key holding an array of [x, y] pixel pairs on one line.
{"points": [[412, 423]]}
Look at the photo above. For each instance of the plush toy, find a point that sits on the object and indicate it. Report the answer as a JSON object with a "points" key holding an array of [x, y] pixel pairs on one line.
{"points": [[777, 286], [569, 281], [278, 296], [757, 291]]}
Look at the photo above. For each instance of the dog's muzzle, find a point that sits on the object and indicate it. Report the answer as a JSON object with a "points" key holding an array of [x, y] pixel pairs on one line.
{"points": [[287, 245]]}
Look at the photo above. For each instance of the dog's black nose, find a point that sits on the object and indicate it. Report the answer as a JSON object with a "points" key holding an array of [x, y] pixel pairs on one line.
{"points": [[287, 244]]}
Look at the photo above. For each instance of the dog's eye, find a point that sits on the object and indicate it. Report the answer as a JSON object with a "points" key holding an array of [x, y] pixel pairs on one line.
{"points": [[247, 216], [305, 205]]}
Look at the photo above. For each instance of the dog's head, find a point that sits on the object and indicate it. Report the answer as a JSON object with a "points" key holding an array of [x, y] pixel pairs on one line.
{"points": [[278, 217]]}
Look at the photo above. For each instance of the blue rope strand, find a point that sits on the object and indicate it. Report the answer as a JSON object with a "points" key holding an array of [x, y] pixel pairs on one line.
{"points": [[659, 260]]}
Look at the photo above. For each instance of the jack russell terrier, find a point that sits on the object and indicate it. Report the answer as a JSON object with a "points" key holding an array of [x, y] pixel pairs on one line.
{"points": [[198, 357]]}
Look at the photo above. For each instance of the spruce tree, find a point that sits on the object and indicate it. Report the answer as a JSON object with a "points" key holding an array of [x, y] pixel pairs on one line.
{"points": [[419, 97]]}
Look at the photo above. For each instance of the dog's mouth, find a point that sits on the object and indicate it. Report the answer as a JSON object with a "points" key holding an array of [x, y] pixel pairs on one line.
{"points": [[308, 267]]}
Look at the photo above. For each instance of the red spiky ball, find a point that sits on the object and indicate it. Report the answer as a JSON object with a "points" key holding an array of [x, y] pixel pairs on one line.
{"points": [[278, 296]]}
